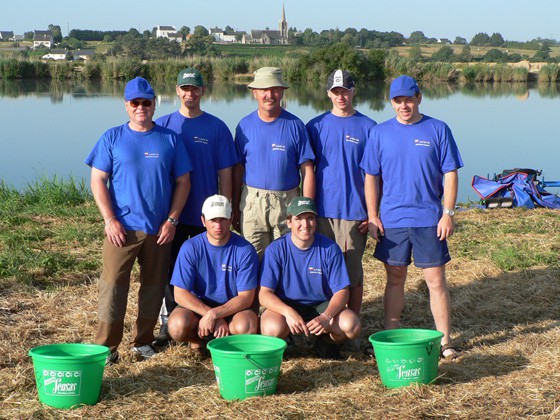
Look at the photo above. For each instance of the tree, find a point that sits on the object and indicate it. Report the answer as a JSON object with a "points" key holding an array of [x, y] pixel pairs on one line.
{"points": [[28, 35], [480, 39], [543, 53], [201, 44], [495, 56], [415, 53], [200, 30], [417, 37], [56, 33], [444, 54], [229, 29], [465, 56], [460, 40], [496, 40], [184, 31]]}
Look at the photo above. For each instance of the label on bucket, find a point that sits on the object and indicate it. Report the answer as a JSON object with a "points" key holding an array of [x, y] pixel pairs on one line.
{"points": [[406, 369], [259, 381], [63, 383]]}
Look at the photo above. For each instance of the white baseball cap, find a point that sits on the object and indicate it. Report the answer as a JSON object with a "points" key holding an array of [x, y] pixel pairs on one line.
{"points": [[216, 206]]}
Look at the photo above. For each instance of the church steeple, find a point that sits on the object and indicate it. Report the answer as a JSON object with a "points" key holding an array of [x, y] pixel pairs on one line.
{"points": [[283, 27]]}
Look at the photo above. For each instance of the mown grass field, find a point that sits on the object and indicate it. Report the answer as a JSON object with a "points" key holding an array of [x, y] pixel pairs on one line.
{"points": [[504, 281]]}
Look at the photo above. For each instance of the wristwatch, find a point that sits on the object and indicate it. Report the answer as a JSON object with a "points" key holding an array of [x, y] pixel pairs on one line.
{"points": [[449, 212], [173, 221]]}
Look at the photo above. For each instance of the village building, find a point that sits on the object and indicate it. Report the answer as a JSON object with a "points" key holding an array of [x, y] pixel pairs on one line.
{"points": [[42, 38], [6, 35], [56, 55], [168, 32], [267, 36]]}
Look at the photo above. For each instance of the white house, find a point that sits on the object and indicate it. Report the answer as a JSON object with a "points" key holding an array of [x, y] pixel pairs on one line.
{"points": [[55, 55], [164, 31], [222, 36], [42, 38]]}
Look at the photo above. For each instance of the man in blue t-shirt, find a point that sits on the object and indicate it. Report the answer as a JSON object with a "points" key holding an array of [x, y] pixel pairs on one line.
{"points": [[210, 146], [140, 182], [338, 138], [304, 284], [411, 164], [273, 150], [215, 279]]}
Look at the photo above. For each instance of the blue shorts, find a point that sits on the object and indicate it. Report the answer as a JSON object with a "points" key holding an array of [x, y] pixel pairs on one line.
{"points": [[398, 244]]}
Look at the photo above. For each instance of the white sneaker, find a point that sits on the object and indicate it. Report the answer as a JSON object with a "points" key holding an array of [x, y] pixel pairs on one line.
{"points": [[144, 352]]}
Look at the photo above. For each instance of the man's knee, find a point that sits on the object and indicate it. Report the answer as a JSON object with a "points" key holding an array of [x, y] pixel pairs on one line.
{"points": [[245, 322], [274, 325], [181, 324], [349, 324]]}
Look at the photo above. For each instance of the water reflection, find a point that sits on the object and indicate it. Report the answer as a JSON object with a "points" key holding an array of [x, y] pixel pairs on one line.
{"points": [[374, 94]]}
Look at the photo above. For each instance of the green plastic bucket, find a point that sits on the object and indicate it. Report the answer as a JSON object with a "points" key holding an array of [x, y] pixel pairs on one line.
{"points": [[406, 356], [69, 375], [246, 365]]}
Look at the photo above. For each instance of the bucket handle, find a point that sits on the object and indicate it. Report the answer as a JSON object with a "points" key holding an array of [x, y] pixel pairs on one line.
{"points": [[430, 347], [246, 357]]}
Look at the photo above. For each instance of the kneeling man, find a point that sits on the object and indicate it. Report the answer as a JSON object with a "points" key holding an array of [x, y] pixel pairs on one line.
{"points": [[215, 279], [304, 284]]}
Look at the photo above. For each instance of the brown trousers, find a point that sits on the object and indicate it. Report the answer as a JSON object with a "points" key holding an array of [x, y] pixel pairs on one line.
{"points": [[114, 285]]}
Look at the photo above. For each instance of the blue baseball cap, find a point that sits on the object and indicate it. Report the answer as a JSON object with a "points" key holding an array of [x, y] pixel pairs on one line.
{"points": [[403, 86], [138, 88]]}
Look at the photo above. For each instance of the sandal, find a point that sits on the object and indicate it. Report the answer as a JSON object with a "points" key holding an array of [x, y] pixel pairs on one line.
{"points": [[456, 352]]}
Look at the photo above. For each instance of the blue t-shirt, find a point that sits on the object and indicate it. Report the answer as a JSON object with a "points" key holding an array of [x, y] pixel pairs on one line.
{"points": [[216, 274], [272, 151], [143, 167], [411, 160], [339, 144], [211, 149], [309, 276]]}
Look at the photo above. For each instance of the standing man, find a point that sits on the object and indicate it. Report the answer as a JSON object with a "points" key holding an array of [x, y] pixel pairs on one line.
{"points": [[304, 284], [338, 138], [411, 163], [140, 182], [211, 149], [273, 149], [215, 279]]}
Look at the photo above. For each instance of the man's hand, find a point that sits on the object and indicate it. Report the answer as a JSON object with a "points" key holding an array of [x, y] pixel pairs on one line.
{"points": [[445, 227], [296, 323], [166, 233], [320, 325], [115, 233], [375, 228]]}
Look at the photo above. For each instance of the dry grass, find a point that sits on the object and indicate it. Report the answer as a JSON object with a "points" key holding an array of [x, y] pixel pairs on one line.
{"points": [[508, 320]]}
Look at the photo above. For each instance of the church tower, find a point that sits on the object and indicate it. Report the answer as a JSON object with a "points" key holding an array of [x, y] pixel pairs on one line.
{"points": [[283, 27]]}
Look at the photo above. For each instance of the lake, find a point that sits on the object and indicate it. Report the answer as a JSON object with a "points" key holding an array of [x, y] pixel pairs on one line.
{"points": [[48, 128]]}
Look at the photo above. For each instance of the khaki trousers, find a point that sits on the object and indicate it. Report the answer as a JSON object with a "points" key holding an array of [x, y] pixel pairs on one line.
{"points": [[263, 215]]}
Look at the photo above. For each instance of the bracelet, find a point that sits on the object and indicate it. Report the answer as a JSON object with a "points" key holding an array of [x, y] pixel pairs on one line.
{"points": [[110, 220], [328, 316]]}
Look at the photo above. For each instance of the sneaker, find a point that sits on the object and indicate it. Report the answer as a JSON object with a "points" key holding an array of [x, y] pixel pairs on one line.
{"points": [[326, 349], [112, 359], [144, 352]]}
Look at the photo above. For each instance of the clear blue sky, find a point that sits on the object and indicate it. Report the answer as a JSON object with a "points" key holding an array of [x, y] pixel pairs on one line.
{"points": [[513, 19]]}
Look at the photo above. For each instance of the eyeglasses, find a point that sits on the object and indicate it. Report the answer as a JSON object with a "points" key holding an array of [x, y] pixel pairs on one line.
{"points": [[145, 103]]}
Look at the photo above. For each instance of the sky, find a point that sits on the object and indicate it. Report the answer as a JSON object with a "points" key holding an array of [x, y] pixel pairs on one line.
{"points": [[513, 19]]}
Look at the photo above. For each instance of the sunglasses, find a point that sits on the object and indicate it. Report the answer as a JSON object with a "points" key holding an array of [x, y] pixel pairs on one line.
{"points": [[136, 103]]}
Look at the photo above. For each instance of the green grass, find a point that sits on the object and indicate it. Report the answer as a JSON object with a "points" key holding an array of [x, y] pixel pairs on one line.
{"points": [[40, 229]]}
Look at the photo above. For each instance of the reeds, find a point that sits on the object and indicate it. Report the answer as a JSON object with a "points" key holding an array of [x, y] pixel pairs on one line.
{"points": [[549, 73]]}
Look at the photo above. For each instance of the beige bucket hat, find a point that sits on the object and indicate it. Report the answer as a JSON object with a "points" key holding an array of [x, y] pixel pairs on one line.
{"points": [[267, 77]]}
